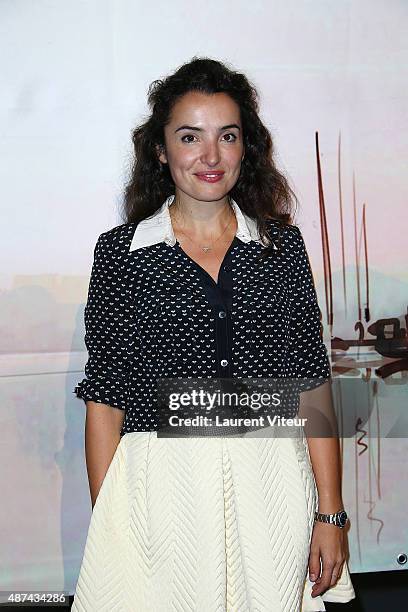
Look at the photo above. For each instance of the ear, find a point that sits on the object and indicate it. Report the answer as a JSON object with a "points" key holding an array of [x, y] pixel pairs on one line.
{"points": [[160, 150]]}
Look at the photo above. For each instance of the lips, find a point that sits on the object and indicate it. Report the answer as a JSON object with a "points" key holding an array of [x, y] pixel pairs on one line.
{"points": [[210, 177]]}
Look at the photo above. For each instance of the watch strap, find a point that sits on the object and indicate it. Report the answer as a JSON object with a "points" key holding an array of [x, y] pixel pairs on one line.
{"points": [[337, 518]]}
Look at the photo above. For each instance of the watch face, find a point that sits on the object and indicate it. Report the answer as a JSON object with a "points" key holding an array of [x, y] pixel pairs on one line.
{"points": [[342, 518]]}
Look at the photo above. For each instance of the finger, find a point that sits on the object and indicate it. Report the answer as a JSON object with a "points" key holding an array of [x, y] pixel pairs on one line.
{"points": [[314, 566], [324, 582], [336, 573]]}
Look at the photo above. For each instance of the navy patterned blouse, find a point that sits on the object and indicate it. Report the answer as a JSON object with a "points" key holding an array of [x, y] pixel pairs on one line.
{"points": [[152, 312]]}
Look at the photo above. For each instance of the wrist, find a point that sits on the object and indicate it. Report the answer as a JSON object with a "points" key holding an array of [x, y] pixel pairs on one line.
{"points": [[329, 503], [329, 507]]}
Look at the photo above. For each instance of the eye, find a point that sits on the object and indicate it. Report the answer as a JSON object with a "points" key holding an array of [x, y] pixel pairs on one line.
{"points": [[187, 136], [231, 134]]}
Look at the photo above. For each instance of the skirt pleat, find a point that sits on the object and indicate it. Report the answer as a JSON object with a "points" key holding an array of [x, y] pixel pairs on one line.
{"points": [[204, 525]]}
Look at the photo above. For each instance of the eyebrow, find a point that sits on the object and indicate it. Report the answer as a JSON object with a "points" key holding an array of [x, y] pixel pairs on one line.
{"points": [[197, 129]]}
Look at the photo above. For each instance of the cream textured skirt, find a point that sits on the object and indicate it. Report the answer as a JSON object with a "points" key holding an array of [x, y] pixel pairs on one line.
{"points": [[219, 524]]}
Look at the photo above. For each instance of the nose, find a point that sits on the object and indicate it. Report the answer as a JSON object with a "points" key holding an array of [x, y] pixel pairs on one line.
{"points": [[211, 154]]}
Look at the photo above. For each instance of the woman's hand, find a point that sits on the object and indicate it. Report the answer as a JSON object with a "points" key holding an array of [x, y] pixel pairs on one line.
{"points": [[328, 544]]}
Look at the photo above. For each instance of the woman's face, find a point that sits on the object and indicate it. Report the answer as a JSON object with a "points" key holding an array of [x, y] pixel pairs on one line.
{"points": [[204, 136]]}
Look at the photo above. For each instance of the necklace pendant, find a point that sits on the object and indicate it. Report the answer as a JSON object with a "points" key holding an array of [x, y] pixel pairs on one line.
{"points": [[206, 248]]}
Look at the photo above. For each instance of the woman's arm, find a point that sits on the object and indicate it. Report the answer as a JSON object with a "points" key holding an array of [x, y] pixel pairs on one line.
{"points": [[325, 459], [328, 545], [316, 405], [308, 361], [108, 330], [102, 436]]}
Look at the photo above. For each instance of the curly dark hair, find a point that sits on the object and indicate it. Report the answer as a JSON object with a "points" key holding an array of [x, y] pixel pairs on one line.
{"points": [[261, 191]]}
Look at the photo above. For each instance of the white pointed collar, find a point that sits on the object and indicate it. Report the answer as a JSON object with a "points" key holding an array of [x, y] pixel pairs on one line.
{"points": [[158, 227]]}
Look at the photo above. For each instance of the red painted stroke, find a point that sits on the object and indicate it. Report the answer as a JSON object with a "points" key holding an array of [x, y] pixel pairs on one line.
{"points": [[343, 250], [356, 249], [367, 308], [328, 289]]}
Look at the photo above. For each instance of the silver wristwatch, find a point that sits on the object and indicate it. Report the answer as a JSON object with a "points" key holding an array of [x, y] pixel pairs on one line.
{"points": [[339, 518]]}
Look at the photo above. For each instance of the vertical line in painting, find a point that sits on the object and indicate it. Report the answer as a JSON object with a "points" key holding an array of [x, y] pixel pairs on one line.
{"points": [[367, 306], [356, 249], [343, 257], [325, 243]]}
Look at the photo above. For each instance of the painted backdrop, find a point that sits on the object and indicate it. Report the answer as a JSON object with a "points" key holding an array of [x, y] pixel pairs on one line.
{"points": [[331, 78]]}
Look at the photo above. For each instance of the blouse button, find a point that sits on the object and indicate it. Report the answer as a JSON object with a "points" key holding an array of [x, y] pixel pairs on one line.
{"points": [[222, 314], [224, 363]]}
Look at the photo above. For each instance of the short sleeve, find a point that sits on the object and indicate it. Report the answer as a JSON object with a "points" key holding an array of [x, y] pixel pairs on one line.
{"points": [[107, 319], [307, 353]]}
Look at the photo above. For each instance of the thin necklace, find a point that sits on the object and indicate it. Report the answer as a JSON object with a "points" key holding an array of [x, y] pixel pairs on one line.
{"points": [[207, 247]]}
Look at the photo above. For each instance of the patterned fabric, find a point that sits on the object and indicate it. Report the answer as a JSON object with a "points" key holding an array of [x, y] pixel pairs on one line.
{"points": [[147, 315], [219, 296], [200, 524], [204, 525]]}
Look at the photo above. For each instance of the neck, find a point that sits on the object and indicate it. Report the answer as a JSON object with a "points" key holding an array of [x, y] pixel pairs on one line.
{"points": [[203, 220]]}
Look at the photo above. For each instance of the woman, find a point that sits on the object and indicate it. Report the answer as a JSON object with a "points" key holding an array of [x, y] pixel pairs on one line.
{"points": [[206, 280]]}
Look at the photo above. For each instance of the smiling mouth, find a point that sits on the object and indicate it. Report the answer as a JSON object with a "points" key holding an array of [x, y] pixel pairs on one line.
{"points": [[210, 177]]}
